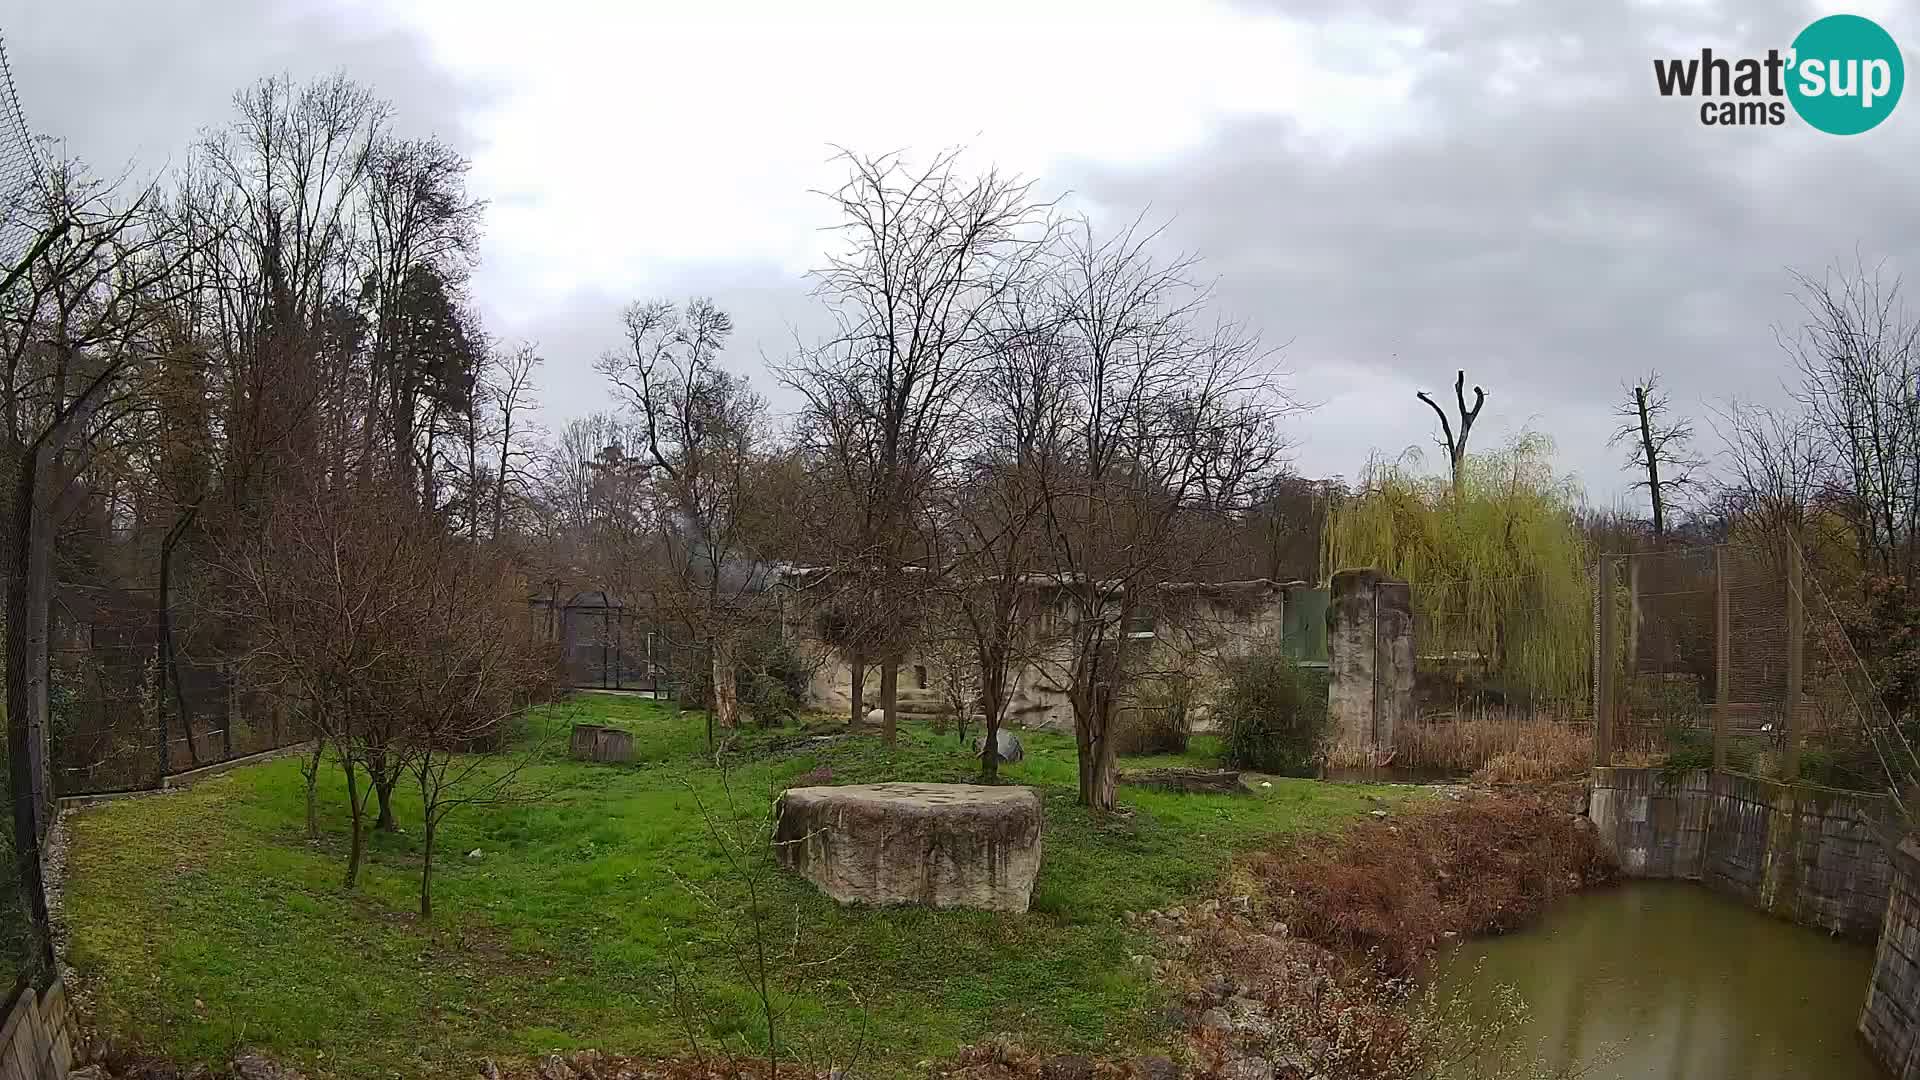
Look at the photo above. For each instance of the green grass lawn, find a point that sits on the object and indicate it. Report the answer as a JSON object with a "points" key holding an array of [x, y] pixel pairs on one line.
{"points": [[203, 921]]}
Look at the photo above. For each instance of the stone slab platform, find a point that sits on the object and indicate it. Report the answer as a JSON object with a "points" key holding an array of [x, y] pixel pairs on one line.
{"points": [[941, 845]]}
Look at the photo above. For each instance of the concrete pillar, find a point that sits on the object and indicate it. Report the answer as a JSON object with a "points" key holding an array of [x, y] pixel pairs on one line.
{"points": [[1370, 659]]}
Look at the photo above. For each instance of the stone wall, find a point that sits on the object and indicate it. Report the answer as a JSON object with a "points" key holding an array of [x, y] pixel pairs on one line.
{"points": [[1370, 659], [1890, 1020], [36, 1038], [1811, 855]]}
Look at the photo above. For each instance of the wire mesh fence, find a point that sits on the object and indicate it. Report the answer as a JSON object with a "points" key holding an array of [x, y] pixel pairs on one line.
{"points": [[21, 175], [1501, 677], [123, 721], [1732, 656]]}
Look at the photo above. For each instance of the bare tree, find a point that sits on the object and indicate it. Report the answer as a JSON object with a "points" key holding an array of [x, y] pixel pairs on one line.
{"points": [[78, 325], [1456, 445], [1660, 447], [703, 435], [929, 254], [993, 512], [1774, 462], [1169, 428], [1858, 358]]}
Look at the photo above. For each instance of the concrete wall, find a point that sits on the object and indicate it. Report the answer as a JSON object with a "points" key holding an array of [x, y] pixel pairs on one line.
{"points": [[1370, 658], [1812, 855], [36, 1038], [1890, 1020], [1195, 628]]}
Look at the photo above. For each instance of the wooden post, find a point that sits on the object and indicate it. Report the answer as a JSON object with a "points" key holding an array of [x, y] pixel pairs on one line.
{"points": [[1796, 660], [1607, 690], [1722, 657]]}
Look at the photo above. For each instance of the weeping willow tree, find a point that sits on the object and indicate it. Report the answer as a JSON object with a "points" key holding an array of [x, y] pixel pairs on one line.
{"points": [[1497, 564]]}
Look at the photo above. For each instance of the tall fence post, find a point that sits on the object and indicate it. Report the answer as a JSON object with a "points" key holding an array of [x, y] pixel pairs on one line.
{"points": [[1606, 688], [1796, 660], [1722, 656]]}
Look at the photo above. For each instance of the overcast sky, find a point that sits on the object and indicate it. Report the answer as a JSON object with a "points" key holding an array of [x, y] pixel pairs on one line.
{"points": [[1390, 189]]}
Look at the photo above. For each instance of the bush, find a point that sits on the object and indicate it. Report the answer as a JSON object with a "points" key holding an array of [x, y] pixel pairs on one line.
{"points": [[1159, 721], [1273, 714]]}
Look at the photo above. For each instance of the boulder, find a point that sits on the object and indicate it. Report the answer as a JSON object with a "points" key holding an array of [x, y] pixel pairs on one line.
{"points": [[942, 845], [1005, 742]]}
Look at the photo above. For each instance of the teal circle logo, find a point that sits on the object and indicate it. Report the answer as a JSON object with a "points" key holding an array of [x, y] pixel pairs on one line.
{"points": [[1846, 74]]}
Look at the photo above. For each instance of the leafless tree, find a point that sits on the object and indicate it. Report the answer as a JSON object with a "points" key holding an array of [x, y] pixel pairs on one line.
{"points": [[77, 327], [703, 436], [1774, 463], [1169, 428], [1660, 448], [992, 513], [1858, 358], [1456, 445], [929, 253]]}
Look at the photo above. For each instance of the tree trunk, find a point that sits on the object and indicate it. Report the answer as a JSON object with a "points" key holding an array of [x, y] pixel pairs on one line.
{"points": [[20, 730], [889, 700], [383, 782], [39, 612], [1652, 455], [355, 813], [1097, 761], [990, 753], [312, 771], [857, 671], [726, 695], [426, 863]]}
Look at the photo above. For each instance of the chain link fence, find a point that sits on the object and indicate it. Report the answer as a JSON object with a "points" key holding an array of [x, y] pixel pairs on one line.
{"points": [[120, 722], [22, 176], [1732, 656]]}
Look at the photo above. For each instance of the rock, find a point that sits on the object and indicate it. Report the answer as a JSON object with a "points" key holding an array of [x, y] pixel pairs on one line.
{"points": [[255, 1067], [1266, 783], [1216, 1019], [586, 1063], [876, 717], [1155, 1067], [1004, 741], [553, 1067], [1247, 1068], [1246, 1006], [474, 854], [942, 845], [1067, 1067], [1379, 813]]}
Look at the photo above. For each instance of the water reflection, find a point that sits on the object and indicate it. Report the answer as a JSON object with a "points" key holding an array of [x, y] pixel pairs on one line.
{"points": [[1684, 984]]}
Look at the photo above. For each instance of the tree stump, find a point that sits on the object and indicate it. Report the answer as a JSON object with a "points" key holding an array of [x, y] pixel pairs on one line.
{"points": [[595, 742]]}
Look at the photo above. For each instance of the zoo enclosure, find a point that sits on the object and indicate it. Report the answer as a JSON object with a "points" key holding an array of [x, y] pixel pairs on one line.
{"points": [[1731, 656]]}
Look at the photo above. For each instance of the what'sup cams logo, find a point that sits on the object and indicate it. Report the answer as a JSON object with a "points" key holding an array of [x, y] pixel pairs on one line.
{"points": [[1843, 75]]}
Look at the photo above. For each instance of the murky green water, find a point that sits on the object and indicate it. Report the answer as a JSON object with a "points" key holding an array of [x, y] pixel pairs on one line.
{"points": [[1683, 984]]}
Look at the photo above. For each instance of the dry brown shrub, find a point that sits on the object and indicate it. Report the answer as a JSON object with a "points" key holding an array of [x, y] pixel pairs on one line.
{"points": [[1391, 890]]}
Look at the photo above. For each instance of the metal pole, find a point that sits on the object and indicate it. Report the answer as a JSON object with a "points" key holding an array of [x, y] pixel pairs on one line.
{"points": [[1796, 660], [1603, 707], [1722, 657]]}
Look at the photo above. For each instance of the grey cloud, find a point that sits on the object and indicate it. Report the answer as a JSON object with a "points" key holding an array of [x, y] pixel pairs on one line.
{"points": [[1554, 241], [128, 86], [769, 307]]}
